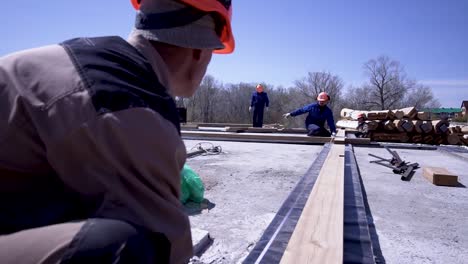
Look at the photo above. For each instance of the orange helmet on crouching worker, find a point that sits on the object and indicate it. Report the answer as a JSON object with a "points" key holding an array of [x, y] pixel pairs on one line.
{"points": [[259, 88], [323, 97], [222, 11]]}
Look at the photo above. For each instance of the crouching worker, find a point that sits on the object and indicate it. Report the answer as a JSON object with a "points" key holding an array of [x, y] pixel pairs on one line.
{"points": [[91, 152], [362, 128], [318, 113]]}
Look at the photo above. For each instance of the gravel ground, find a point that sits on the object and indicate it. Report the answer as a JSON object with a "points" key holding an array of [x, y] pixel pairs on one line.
{"points": [[416, 221]]}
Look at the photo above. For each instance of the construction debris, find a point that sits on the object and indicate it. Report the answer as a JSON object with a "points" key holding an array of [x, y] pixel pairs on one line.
{"points": [[398, 165]]}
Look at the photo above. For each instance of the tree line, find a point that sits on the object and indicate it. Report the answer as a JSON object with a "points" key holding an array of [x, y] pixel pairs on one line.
{"points": [[387, 87]]}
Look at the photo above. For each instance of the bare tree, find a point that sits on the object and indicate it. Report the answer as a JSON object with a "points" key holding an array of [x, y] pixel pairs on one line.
{"points": [[358, 98], [421, 97], [388, 83], [235, 103], [317, 82]]}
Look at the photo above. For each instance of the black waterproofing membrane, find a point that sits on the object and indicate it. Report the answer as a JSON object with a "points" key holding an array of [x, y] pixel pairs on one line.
{"points": [[357, 242]]}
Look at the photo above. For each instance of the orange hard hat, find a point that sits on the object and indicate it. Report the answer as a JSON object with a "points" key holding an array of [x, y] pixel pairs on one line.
{"points": [[223, 10], [323, 96], [259, 88]]}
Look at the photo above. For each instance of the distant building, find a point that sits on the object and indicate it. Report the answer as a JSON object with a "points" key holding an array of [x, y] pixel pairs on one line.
{"points": [[464, 107], [438, 113]]}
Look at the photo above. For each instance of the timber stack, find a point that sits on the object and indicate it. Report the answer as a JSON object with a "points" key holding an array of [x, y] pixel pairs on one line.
{"points": [[405, 125]]}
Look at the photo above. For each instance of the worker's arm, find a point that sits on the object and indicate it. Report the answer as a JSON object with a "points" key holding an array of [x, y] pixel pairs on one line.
{"points": [[331, 121], [302, 110], [267, 101], [252, 100]]}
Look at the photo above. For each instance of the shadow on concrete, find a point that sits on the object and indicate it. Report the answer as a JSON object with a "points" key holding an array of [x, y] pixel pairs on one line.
{"points": [[192, 208], [378, 256], [460, 185]]}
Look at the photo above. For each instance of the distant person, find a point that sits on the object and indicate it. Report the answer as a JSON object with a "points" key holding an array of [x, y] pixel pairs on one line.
{"points": [[258, 102], [362, 128], [91, 151], [318, 114]]}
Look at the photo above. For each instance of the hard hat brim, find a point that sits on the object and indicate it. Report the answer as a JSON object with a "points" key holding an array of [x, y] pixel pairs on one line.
{"points": [[226, 34]]}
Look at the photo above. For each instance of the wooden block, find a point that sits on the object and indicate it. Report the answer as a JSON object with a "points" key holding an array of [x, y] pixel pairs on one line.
{"points": [[464, 140], [464, 130], [440, 176], [261, 130], [293, 130], [453, 139], [398, 114], [409, 112], [408, 126], [426, 127], [379, 115], [424, 115], [372, 125], [350, 114], [201, 240], [347, 124], [417, 125], [389, 125], [418, 138], [340, 137]]}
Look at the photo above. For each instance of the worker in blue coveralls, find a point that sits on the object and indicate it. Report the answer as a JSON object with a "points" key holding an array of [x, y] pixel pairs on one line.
{"points": [[318, 114], [259, 101]]}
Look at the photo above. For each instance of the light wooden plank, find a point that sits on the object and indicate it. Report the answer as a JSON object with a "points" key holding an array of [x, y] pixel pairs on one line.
{"points": [[261, 130], [270, 137], [318, 236], [340, 137], [223, 125]]}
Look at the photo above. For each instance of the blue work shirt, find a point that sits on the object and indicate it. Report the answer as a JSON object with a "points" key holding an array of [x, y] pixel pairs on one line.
{"points": [[317, 116], [259, 100]]}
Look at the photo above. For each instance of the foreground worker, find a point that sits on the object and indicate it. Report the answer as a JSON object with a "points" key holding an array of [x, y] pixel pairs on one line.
{"points": [[318, 114], [91, 152], [258, 102]]}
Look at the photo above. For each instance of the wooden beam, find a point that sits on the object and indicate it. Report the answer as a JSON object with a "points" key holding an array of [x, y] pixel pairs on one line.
{"points": [[270, 137], [318, 236], [340, 137], [223, 125], [293, 130], [261, 130]]}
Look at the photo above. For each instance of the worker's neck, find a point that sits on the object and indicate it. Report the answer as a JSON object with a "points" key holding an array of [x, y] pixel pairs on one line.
{"points": [[159, 66]]}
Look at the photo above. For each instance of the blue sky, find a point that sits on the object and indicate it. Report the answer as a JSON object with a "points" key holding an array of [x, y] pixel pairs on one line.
{"points": [[279, 41]]}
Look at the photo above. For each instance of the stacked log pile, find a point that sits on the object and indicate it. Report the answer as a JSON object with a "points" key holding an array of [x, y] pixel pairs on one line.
{"points": [[405, 125]]}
